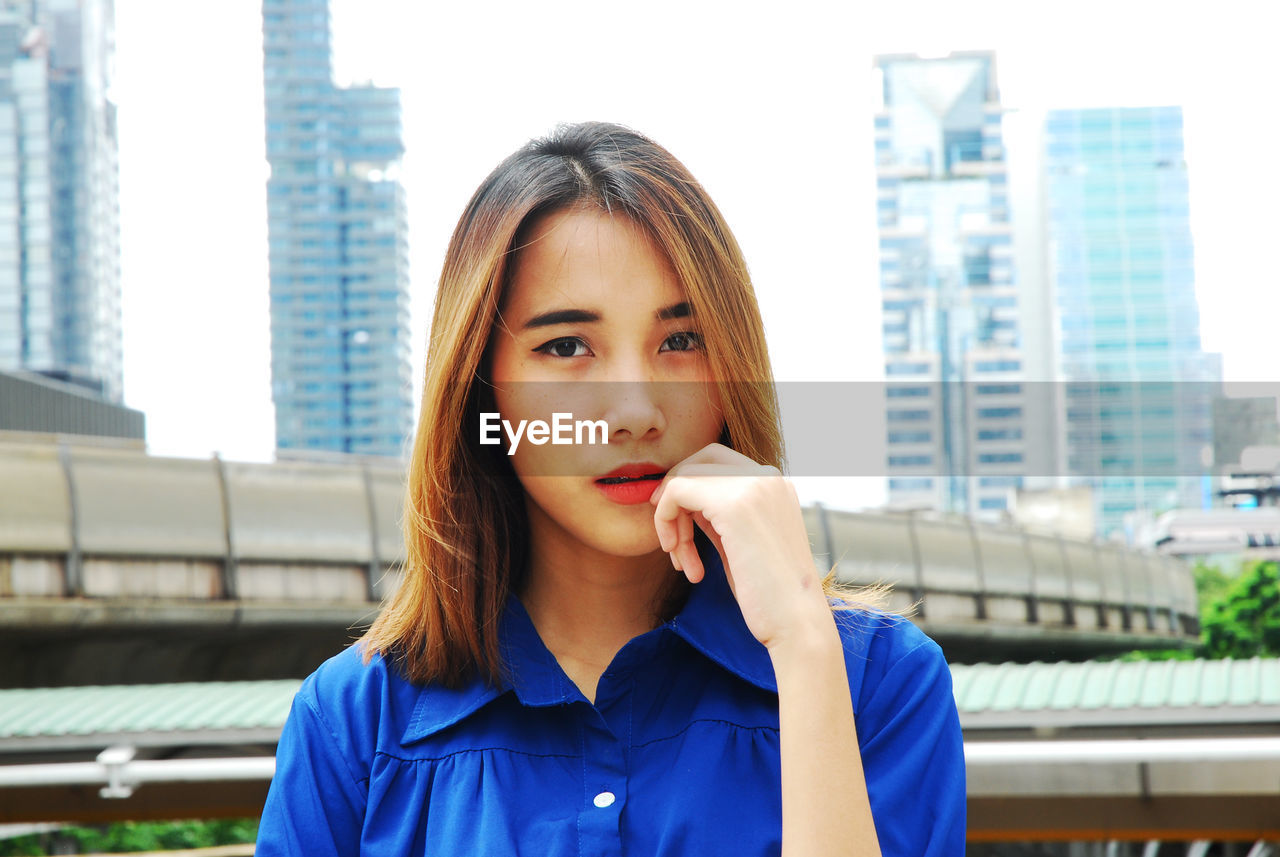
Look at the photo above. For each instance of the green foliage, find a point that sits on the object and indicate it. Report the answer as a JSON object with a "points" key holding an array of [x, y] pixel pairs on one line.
{"points": [[1212, 584], [1156, 655], [22, 846], [129, 836], [1245, 621], [1239, 615]]}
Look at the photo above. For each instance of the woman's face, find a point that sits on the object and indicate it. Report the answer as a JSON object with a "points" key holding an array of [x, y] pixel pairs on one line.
{"points": [[594, 324]]}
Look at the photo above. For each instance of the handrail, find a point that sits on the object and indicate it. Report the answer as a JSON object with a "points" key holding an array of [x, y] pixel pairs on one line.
{"points": [[118, 773]]}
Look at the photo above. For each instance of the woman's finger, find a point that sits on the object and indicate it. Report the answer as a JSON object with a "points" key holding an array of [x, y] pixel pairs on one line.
{"points": [[687, 550], [706, 527], [683, 469], [672, 518], [690, 468]]}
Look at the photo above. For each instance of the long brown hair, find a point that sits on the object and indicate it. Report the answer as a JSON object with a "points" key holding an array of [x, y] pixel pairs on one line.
{"points": [[466, 535]]}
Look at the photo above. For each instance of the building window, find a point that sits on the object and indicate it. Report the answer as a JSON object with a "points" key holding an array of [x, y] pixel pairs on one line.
{"points": [[998, 389], [997, 365], [1000, 482], [977, 267], [910, 460], [1000, 458]]}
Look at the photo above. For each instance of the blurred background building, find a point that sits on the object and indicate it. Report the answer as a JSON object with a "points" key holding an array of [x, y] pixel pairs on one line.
{"points": [[340, 339], [954, 363], [39, 407], [1246, 445], [1244, 523], [1136, 421], [59, 212]]}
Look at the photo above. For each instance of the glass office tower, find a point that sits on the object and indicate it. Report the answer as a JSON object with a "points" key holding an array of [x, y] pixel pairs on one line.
{"points": [[954, 367], [340, 343], [1138, 387], [59, 188]]}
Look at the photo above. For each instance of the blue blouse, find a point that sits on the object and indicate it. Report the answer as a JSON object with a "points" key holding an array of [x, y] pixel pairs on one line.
{"points": [[678, 755]]}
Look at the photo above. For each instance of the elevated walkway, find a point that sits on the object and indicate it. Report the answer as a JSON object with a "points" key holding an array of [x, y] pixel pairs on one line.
{"points": [[119, 567]]}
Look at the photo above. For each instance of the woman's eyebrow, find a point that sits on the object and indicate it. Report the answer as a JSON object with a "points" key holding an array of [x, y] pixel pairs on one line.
{"points": [[680, 310], [561, 316], [582, 316]]}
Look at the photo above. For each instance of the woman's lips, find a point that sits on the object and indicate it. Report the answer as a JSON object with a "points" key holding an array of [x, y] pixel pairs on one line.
{"points": [[631, 484]]}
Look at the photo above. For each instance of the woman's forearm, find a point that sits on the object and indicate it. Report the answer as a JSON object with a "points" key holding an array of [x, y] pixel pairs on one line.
{"points": [[825, 809]]}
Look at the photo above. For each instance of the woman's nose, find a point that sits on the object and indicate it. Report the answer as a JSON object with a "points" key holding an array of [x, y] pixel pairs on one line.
{"points": [[633, 408]]}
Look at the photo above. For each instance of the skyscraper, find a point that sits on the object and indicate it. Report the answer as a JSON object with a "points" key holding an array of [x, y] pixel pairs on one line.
{"points": [[1121, 267], [956, 403], [59, 211], [338, 246]]}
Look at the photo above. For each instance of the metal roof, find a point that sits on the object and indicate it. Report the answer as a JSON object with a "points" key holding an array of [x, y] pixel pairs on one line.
{"points": [[1114, 692], [987, 695], [189, 713]]}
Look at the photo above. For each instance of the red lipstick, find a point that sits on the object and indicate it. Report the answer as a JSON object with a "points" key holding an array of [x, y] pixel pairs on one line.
{"points": [[631, 483]]}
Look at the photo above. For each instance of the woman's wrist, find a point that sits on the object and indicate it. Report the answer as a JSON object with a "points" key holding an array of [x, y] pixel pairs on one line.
{"points": [[813, 637]]}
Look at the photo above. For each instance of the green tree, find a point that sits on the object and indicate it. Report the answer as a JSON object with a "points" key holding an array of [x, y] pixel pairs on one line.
{"points": [[1212, 584], [1245, 621]]}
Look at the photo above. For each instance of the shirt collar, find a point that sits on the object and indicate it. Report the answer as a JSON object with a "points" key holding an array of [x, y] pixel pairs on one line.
{"points": [[532, 672], [710, 621]]}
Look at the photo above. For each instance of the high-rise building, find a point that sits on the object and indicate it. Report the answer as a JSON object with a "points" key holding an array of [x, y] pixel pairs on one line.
{"points": [[957, 406], [1138, 388], [59, 212], [338, 247]]}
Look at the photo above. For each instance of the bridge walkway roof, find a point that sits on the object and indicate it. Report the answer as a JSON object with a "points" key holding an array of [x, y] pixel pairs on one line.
{"points": [[1001, 696], [1174, 749]]}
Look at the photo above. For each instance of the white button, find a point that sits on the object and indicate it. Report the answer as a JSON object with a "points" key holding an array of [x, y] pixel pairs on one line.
{"points": [[604, 799]]}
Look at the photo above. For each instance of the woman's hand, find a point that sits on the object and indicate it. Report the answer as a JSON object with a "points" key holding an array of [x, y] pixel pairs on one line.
{"points": [[752, 515]]}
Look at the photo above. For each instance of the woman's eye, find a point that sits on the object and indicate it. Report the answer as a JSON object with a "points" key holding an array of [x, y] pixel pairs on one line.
{"points": [[685, 340], [568, 346]]}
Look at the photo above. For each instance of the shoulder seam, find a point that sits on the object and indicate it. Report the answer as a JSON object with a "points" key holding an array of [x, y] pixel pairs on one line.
{"points": [[923, 644], [361, 782]]}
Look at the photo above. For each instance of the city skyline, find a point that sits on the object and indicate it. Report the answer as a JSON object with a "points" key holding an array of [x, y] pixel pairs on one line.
{"points": [[808, 234]]}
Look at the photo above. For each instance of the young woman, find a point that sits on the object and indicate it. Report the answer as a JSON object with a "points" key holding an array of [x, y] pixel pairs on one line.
{"points": [[621, 647]]}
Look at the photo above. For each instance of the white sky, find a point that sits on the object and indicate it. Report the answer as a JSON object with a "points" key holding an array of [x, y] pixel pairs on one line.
{"points": [[769, 105]]}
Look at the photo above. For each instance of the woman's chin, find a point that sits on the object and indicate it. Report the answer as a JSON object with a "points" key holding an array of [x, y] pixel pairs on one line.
{"points": [[619, 542]]}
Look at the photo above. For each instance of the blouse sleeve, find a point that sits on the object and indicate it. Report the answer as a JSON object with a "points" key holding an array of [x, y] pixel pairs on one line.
{"points": [[315, 804], [913, 757]]}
